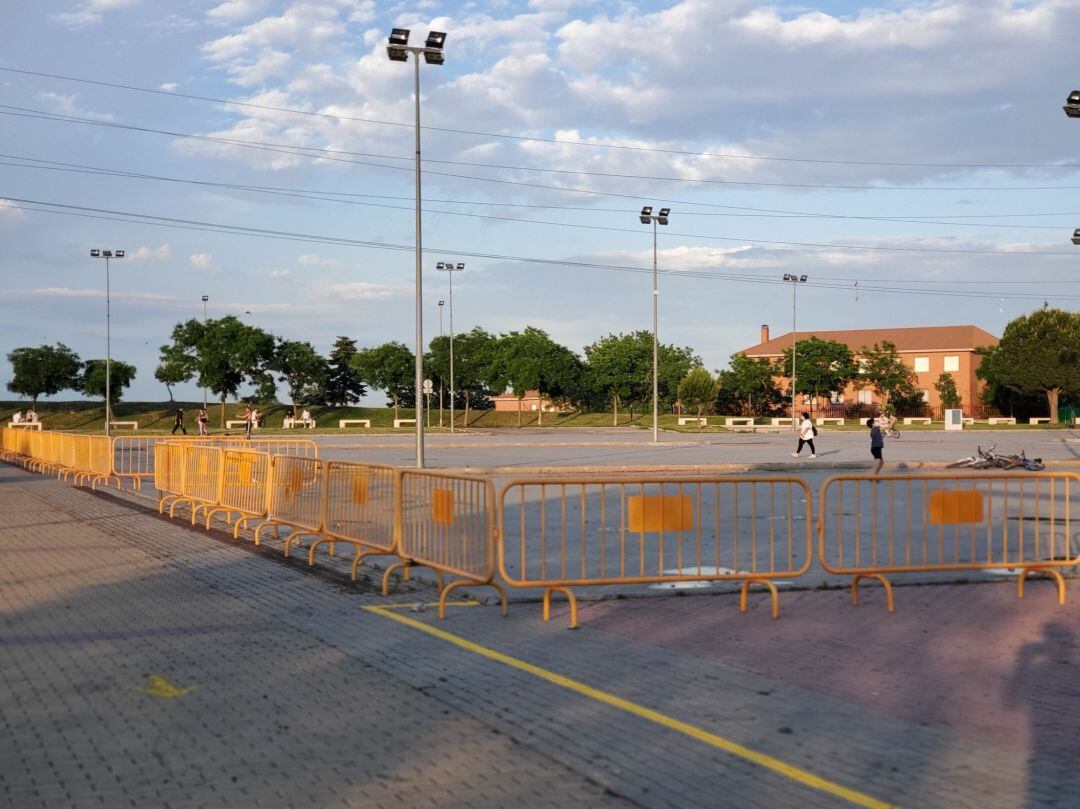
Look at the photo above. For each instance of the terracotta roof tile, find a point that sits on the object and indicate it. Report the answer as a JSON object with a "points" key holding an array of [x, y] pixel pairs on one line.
{"points": [[916, 338]]}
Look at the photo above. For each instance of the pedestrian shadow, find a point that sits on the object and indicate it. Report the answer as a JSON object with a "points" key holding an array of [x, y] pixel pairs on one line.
{"points": [[1042, 682], [824, 452]]}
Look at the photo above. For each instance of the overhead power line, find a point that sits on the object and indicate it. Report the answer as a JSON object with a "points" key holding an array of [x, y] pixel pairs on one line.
{"points": [[533, 138]]}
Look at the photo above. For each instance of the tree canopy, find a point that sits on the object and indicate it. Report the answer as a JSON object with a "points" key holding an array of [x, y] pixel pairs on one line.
{"points": [[821, 366], [92, 383], [343, 384], [302, 369], [749, 385], [43, 371], [389, 367], [698, 389], [531, 360], [881, 367]]}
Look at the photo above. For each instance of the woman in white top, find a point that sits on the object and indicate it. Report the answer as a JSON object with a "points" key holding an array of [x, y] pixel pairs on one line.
{"points": [[806, 436]]}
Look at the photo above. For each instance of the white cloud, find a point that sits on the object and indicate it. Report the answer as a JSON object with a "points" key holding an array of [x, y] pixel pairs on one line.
{"points": [[69, 292], [315, 260], [280, 273], [65, 104], [168, 87], [203, 262], [235, 10], [9, 209], [359, 290], [146, 253], [90, 12]]}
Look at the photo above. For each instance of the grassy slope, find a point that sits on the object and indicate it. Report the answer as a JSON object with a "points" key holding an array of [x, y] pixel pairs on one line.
{"points": [[83, 416]]}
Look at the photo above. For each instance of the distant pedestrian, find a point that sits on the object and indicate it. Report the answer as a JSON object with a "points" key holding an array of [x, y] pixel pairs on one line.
{"points": [[247, 421], [877, 444], [807, 431], [203, 419], [178, 424]]}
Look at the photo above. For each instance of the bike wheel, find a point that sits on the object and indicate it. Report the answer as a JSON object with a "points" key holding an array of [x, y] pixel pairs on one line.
{"points": [[894, 433], [1035, 466]]}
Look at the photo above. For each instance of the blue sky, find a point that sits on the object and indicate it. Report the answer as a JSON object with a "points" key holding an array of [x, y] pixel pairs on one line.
{"points": [[781, 137]]}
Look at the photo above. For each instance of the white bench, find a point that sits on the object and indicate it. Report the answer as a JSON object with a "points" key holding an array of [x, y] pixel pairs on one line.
{"points": [[967, 420], [288, 424], [1040, 420], [917, 420], [34, 424], [731, 421], [1001, 420], [700, 422], [239, 423], [399, 422], [343, 423], [134, 425], [781, 420], [1076, 420], [822, 421]]}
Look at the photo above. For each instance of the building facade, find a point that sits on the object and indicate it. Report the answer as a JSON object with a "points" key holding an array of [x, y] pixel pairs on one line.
{"points": [[928, 351], [531, 402]]}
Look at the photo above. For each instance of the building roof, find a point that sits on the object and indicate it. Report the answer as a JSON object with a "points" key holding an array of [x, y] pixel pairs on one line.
{"points": [[916, 338]]}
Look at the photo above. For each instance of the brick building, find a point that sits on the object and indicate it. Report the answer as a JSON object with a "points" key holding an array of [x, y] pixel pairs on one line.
{"points": [[531, 402], [928, 350]]}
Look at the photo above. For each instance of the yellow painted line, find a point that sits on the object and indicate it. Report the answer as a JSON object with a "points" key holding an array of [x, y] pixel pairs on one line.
{"points": [[158, 686], [426, 605], [761, 759]]}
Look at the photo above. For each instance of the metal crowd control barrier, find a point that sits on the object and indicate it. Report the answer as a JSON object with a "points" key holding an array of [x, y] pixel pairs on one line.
{"points": [[201, 479], [582, 532], [245, 477], [361, 508], [168, 474], [447, 523], [872, 526], [295, 498]]}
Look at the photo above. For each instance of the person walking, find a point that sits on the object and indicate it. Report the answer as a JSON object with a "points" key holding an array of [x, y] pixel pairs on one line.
{"points": [[203, 419], [807, 431], [877, 444], [178, 424], [247, 421]]}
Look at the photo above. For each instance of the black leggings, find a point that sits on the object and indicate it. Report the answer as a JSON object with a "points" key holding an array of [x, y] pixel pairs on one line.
{"points": [[808, 442]]}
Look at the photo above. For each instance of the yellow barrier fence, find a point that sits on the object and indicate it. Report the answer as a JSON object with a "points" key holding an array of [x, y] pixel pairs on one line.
{"points": [[447, 523], [295, 498], [245, 477], [562, 533], [201, 479], [361, 507], [169, 465], [870, 527]]}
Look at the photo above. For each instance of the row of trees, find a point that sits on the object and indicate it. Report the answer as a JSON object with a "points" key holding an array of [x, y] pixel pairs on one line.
{"points": [[48, 370]]}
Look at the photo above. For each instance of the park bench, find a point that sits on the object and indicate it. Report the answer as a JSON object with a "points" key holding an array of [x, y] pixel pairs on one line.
{"points": [[701, 422], [781, 420], [134, 425], [908, 420], [1040, 420], [967, 420], [1001, 420], [34, 424], [399, 422], [343, 423], [288, 424], [821, 421], [731, 421]]}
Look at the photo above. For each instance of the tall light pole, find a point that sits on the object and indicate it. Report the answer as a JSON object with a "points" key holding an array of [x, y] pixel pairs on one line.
{"points": [[398, 50], [450, 268], [661, 218], [205, 298], [441, 304], [107, 255], [794, 280]]}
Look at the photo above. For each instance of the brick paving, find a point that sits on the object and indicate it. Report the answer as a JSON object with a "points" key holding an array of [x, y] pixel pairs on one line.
{"points": [[964, 697]]}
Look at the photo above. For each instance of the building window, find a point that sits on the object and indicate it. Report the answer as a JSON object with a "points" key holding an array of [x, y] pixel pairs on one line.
{"points": [[922, 365], [952, 363], [925, 394], [837, 398], [866, 397], [862, 365]]}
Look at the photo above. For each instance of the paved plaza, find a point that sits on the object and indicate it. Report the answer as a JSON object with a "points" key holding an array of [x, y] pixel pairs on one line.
{"points": [[149, 663]]}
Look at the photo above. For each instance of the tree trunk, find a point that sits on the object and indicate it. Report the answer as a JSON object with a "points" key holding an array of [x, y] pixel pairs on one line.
{"points": [[540, 409], [395, 407], [223, 411], [169, 389], [519, 411], [466, 424], [615, 410], [1052, 395]]}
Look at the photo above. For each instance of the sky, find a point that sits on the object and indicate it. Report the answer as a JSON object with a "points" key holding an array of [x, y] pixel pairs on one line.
{"points": [[911, 159]]}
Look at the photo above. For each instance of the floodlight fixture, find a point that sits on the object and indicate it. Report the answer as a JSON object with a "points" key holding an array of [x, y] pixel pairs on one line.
{"points": [[461, 265], [95, 253], [119, 254], [433, 47], [662, 217], [205, 298], [646, 215], [1076, 236], [1072, 104], [395, 48], [802, 279]]}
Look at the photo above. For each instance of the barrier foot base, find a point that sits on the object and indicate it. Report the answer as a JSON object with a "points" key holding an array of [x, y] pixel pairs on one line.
{"points": [[744, 591], [504, 601], [268, 524], [404, 566], [359, 557], [570, 597], [311, 548], [876, 577], [1049, 571]]}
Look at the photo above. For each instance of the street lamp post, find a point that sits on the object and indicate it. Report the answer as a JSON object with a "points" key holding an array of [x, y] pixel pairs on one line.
{"points": [[205, 298], [107, 255], [661, 218], [398, 50], [450, 268], [441, 304], [794, 280]]}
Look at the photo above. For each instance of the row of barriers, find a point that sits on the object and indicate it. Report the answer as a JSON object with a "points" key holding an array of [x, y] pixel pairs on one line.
{"points": [[569, 535]]}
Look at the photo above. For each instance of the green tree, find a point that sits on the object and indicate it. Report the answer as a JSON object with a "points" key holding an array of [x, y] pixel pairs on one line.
{"points": [[476, 368], [43, 371], [531, 360], [750, 385], [881, 367], [302, 369], [222, 354], [698, 389], [947, 392], [389, 367], [343, 384], [821, 366], [1038, 353], [92, 383], [171, 373]]}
